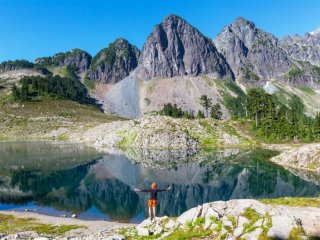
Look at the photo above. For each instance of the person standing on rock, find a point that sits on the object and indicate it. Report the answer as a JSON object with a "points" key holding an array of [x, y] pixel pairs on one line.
{"points": [[152, 202]]}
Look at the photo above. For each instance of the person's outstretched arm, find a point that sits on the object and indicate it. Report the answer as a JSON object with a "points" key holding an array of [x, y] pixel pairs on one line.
{"points": [[164, 189], [141, 190]]}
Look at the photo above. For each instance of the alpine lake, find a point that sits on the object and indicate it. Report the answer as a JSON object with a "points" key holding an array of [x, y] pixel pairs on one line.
{"points": [[64, 178]]}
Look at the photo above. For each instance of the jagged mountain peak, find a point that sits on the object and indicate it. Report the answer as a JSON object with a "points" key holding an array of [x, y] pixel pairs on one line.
{"points": [[253, 54], [241, 21], [115, 62], [176, 48]]}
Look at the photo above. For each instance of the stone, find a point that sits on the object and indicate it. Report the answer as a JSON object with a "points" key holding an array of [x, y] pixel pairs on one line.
{"points": [[258, 223], [205, 208], [190, 215], [213, 226], [116, 237], [157, 230], [207, 224], [242, 221], [238, 232], [281, 227], [145, 223], [230, 237], [254, 235], [28, 234], [212, 213], [226, 222], [143, 231], [170, 225]]}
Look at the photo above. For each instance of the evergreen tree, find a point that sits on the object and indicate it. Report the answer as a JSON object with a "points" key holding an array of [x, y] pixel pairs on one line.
{"points": [[200, 114], [16, 95], [206, 103], [216, 111]]}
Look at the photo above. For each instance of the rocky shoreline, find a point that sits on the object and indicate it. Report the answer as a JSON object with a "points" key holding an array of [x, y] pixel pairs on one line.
{"points": [[306, 157], [237, 219], [161, 132], [234, 219]]}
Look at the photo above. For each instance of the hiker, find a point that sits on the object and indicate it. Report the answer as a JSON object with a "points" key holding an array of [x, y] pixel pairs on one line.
{"points": [[152, 203]]}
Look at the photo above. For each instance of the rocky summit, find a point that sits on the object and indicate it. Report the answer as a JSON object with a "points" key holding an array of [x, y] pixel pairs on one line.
{"points": [[175, 48], [256, 56], [114, 63], [76, 57], [303, 48]]}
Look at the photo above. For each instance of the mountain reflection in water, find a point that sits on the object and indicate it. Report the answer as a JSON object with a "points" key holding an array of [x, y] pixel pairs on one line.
{"points": [[71, 178]]}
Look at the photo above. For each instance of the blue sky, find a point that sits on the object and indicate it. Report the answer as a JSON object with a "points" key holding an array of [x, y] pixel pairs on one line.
{"points": [[34, 28]]}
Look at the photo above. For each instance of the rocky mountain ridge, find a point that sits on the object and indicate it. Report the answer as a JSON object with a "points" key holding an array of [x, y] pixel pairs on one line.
{"points": [[114, 63], [178, 64], [256, 56], [175, 48]]}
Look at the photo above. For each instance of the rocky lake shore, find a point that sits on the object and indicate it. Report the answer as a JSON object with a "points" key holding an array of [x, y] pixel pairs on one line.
{"points": [[234, 219]]}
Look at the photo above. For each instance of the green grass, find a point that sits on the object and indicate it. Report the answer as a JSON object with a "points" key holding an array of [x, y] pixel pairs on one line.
{"points": [[127, 138], [190, 233], [296, 234], [35, 120], [307, 90], [10, 225], [294, 201], [253, 217]]}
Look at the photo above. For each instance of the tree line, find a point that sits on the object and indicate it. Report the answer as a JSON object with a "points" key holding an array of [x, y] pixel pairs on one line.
{"points": [[32, 87], [209, 110], [275, 121]]}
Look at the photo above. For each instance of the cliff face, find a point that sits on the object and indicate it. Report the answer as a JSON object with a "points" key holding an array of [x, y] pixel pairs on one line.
{"points": [[253, 54], [114, 63], [256, 56], [175, 48], [304, 48]]}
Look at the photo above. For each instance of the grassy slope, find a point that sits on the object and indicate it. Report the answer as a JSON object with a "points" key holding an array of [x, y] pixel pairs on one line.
{"points": [[36, 120]]}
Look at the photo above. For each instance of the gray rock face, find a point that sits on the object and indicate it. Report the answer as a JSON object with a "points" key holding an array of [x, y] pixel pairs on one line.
{"points": [[114, 63], [304, 48], [252, 54], [76, 57], [175, 48]]}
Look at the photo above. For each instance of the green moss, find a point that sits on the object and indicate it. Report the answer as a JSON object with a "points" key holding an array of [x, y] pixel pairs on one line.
{"points": [[294, 201], [199, 221], [63, 137], [296, 234], [219, 226], [189, 233], [253, 217], [233, 220], [127, 138], [11, 224]]}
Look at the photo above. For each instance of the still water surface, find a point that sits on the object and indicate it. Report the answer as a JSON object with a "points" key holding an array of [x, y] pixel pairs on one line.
{"points": [[59, 178]]}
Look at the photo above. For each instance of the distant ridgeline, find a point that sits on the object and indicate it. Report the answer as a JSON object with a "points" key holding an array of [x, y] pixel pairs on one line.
{"points": [[21, 64]]}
